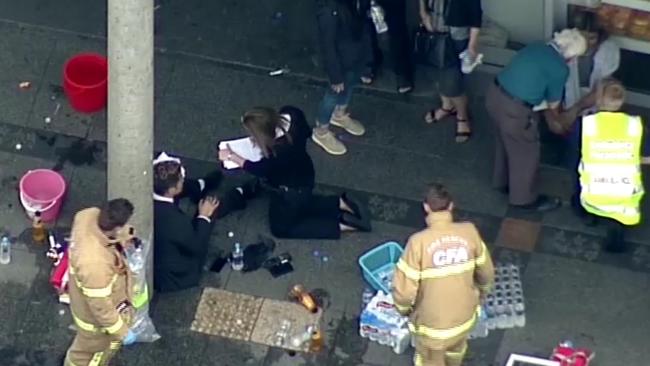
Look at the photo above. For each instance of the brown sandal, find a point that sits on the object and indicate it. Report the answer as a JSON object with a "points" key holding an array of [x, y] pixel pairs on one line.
{"points": [[441, 114]]}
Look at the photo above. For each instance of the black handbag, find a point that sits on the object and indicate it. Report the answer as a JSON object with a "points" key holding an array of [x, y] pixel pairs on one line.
{"points": [[435, 49]]}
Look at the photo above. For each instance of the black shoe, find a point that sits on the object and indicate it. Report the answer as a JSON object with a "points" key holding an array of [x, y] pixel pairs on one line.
{"points": [[251, 188], [353, 221], [212, 181], [360, 210], [542, 204]]}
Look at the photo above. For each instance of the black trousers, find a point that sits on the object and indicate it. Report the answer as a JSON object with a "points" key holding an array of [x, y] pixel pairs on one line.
{"points": [[300, 214], [398, 41]]}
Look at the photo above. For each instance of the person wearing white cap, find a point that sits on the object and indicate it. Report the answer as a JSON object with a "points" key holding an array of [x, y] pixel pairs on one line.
{"points": [[533, 80], [181, 241]]}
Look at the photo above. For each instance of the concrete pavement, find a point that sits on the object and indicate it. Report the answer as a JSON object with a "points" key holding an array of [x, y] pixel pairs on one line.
{"points": [[573, 289]]}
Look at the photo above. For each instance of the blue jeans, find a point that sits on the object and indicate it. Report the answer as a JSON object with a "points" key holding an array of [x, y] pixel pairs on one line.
{"points": [[331, 99]]}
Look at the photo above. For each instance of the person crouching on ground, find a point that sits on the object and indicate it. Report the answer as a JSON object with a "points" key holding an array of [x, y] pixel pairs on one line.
{"points": [[288, 171], [610, 167], [439, 282], [181, 241], [100, 298]]}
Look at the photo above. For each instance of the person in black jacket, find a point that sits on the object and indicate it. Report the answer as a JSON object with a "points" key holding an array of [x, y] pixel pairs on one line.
{"points": [[181, 241], [344, 36], [288, 172]]}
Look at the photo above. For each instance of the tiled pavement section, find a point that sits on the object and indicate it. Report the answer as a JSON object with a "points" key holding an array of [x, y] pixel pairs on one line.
{"points": [[573, 289]]}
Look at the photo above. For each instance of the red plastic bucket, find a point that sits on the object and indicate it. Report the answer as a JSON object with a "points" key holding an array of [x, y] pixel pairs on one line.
{"points": [[85, 82], [42, 190]]}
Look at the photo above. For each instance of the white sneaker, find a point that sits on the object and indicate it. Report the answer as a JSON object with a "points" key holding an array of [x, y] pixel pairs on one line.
{"points": [[349, 124], [329, 142]]}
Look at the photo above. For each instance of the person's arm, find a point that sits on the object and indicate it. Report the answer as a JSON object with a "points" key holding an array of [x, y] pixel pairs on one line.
{"points": [[475, 22], [425, 16], [473, 41], [192, 236], [559, 121], [406, 280], [484, 272], [96, 285], [327, 25]]}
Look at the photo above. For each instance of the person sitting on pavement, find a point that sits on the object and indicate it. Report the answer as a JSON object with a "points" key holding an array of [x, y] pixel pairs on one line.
{"points": [[101, 301], [536, 76], [613, 148], [440, 280], [346, 46], [181, 241], [287, 170]]}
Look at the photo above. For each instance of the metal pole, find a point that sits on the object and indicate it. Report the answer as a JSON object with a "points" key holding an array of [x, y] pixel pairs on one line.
{"points": [[130, 110]]}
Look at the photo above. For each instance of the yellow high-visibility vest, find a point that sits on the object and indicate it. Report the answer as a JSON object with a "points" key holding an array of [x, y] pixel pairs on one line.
{"points": [[610, 169]]}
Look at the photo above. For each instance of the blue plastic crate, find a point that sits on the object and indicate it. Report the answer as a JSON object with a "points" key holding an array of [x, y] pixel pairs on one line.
{"points": [[380, 260]]}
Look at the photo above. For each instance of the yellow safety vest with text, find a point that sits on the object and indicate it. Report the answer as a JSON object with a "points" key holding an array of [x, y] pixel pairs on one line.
{"points": [[610, 169]]}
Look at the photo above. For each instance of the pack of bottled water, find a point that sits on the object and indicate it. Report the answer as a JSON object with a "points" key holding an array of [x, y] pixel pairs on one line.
{"points": [[380, 322], [505, 306]]}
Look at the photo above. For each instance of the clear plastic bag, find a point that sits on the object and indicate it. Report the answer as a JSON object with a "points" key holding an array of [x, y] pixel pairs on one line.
{"points": [[142, 325]]}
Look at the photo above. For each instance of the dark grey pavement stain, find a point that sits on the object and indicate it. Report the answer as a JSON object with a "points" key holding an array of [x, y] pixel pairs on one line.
{"points": [[80, 152]]}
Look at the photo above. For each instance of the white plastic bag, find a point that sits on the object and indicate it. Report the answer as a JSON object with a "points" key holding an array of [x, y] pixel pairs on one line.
{"points": [[142, 325]]}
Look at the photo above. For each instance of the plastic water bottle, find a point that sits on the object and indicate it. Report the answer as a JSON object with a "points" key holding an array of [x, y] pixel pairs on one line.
{"points": [[469, 63], [135, 258], [367, 296], [377, 16], [237, 261], [5, 250]]}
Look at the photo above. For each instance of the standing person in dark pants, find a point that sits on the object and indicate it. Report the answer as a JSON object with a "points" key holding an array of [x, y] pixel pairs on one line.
{"points": [[462, 20], [399, 46], [344, 35], [537, 74], [288, 172]]}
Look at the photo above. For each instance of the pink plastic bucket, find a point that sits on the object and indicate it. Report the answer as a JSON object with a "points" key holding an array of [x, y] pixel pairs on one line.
{"points": [[42, 190]]}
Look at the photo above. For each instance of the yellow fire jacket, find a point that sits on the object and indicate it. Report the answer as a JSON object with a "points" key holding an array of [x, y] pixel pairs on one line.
{"points": [[440, 277], [99, 279]]}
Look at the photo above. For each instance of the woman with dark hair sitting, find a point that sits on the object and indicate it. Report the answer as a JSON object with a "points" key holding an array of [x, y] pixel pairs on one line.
{"points": [[287, 170]]}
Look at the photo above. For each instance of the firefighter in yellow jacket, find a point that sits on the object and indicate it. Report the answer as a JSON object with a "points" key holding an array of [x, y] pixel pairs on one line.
{"points": [[439, 282], [100, 282]]}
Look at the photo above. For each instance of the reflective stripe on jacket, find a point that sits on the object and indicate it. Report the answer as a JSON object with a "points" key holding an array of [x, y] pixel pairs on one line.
{"points": [[99, 279], [610, 169], [440, 277]]}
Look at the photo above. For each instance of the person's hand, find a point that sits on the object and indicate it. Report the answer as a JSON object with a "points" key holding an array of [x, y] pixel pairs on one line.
{"points": [[208, 206], [427, 21], [226, 154], [129, 339], [338, 88]]}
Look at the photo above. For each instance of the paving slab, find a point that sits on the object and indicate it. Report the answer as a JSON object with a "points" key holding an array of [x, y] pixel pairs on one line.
{"points": [[595, 317], [22, 61]]}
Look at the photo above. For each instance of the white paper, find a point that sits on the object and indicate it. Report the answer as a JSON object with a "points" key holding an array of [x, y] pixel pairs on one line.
{"points": [[541, 106], [243, 147]]}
